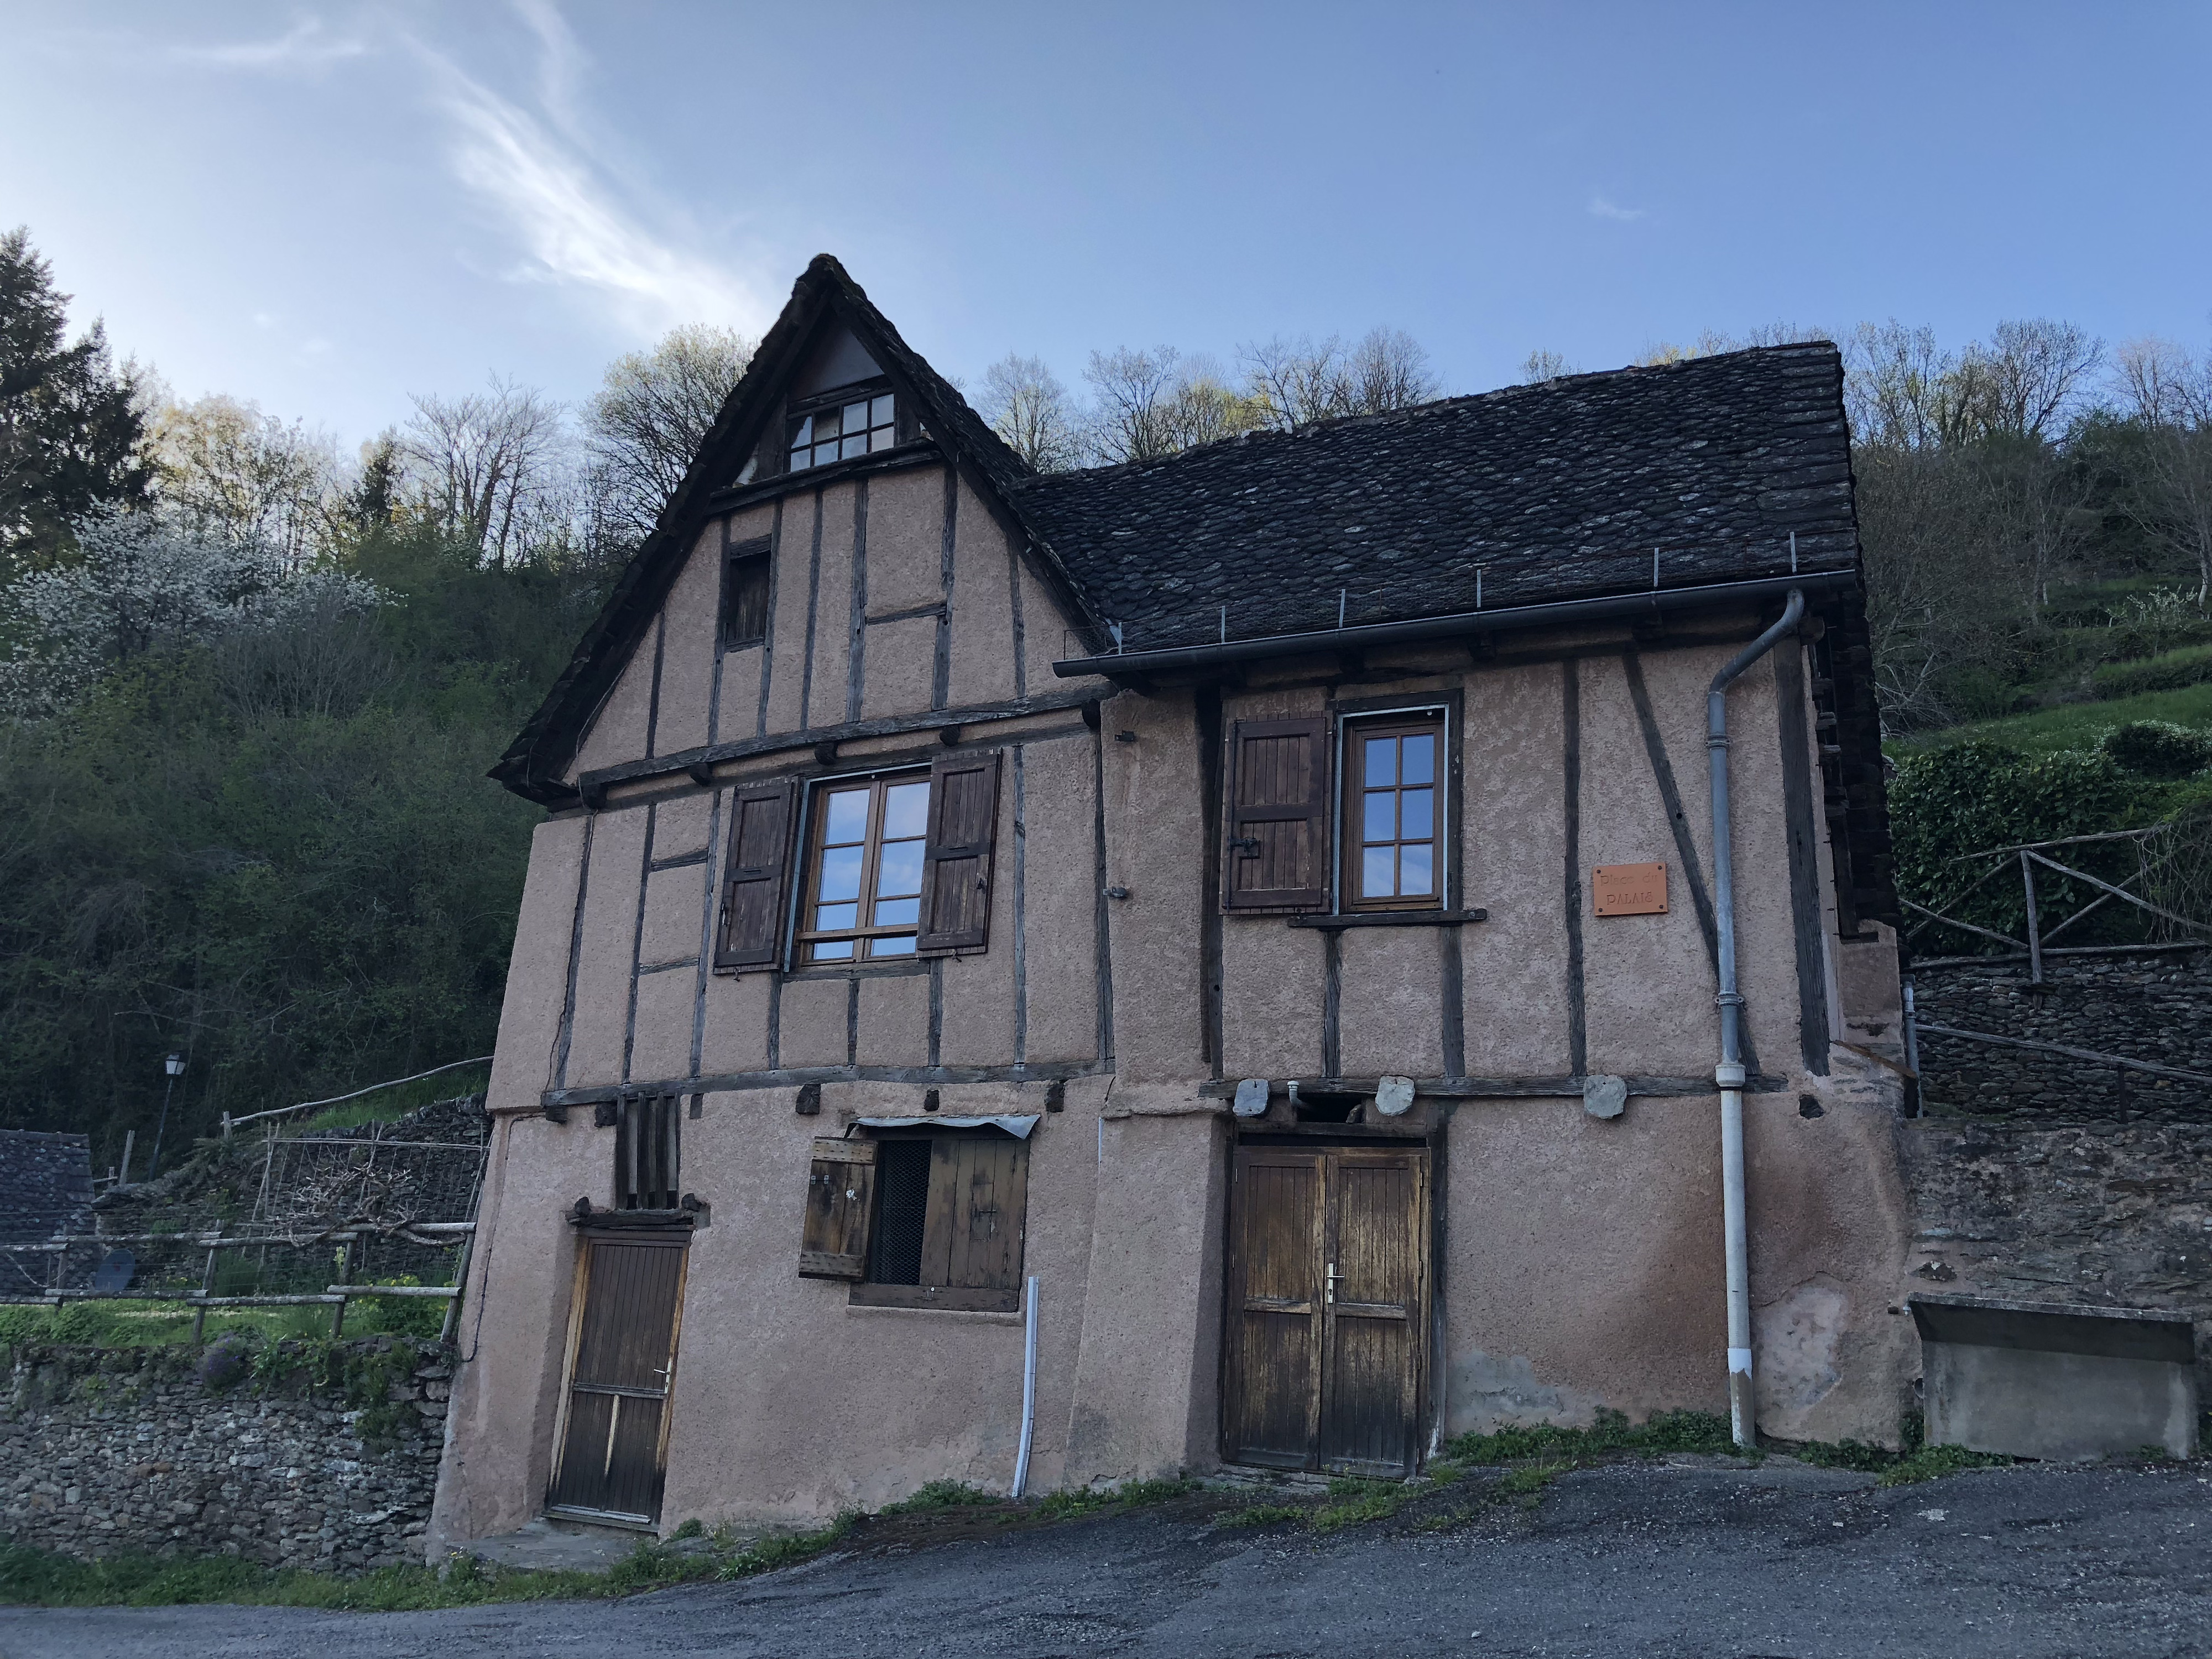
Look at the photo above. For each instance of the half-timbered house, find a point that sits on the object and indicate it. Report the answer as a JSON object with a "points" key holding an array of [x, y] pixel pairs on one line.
{"points": [[1060, 978]]}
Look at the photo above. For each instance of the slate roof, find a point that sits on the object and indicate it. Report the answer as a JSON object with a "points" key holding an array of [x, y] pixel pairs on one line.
{"points": [[1559, 491], [46, 1183]]}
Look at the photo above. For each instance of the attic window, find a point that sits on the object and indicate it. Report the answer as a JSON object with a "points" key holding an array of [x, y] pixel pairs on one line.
{"points": [[839, 431]]}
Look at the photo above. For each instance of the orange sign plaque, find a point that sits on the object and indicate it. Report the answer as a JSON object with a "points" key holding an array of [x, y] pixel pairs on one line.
{"points": [[1631, 890]]}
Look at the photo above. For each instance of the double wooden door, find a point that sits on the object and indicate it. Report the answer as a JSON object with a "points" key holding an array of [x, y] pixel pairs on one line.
{"points": [[1327, 1291], [621, 1358]]}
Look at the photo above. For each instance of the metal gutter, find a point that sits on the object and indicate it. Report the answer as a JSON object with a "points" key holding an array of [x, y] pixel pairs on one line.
{"points": [[1658, 602]]}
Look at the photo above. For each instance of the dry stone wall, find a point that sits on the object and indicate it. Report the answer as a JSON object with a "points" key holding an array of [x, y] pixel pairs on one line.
{"points": [[104, 1451], [2146, 1005], [2051, 1179]]}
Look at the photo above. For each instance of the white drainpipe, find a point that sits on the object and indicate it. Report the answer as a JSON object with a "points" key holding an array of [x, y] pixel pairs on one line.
{"points": [[1729, 1074]]}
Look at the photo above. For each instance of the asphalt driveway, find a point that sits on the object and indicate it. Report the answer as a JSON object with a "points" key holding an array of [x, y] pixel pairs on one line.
{"points": [[1626, 1560]]}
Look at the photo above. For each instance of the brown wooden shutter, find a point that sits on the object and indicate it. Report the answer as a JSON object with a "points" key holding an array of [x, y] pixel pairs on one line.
{"points": [[1278, 815], [841, 1186], [978, 1202], [955, 879], [751, 934]]}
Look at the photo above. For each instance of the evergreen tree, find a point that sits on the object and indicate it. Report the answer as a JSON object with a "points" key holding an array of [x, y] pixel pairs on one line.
{"points": [[71, 437]]}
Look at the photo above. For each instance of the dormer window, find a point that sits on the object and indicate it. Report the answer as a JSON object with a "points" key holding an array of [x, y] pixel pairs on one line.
{"points": [[839, 430]]}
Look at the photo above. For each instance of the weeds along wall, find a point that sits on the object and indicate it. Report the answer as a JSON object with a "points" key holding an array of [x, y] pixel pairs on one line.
{"points": [[292, 1453]]}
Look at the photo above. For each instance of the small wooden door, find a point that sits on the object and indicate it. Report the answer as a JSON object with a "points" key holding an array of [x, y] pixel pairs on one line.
{"points": [[1328, 1293], [621, 1358]]}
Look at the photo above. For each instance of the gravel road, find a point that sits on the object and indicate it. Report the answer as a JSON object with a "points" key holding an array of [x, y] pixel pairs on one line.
{"points": [[1631, 1560]]}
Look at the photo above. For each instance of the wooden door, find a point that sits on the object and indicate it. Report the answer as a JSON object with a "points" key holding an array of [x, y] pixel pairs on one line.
{"points": [[614, 1435], [1327, 1330]]}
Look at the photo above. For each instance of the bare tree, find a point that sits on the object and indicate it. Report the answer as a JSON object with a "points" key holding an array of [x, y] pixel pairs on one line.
{"points": [[2168, 394], [1027, 406], [488, 463], [1543, 365], [232, 471], [1135, 391], [1298, 381], [1388, 370], [2031, 376], [652, 413]]}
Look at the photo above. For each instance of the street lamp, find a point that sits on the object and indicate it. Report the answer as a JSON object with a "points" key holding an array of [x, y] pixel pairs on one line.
{"points": [[174, 1065]]}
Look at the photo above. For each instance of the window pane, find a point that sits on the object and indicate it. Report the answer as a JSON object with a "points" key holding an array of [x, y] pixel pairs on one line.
{"points": [[1420, 760], [1375, 873], [825, 425], [898, 872], [1413, 868], [856, 417], [879, 411], [804, 435], [1382, 761], [856, 445], [849, 816], [840, 877], [881, 438], [891, 947], [801, 460], [1379, 822], [906, 811], [1417, 810], [830, 918], [842, 950], [897, 912], [825, 453]]}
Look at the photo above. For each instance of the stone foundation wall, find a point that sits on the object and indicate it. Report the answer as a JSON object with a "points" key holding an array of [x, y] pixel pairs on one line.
{"points": [[2105, 1213], [109, 1449], [2152, 1005]]}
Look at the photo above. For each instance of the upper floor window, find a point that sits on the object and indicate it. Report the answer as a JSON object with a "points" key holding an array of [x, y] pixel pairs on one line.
{"points": [[1359, 823], [863, 894], [856, 426], [1391, 817], [745, 595]]}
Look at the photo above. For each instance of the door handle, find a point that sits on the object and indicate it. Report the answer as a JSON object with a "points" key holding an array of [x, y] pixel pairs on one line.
{"points": [[1329, 1292]]}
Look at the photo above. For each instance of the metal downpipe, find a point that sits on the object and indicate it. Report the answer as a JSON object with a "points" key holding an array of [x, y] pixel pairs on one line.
{"points": [[1729, 1074]]}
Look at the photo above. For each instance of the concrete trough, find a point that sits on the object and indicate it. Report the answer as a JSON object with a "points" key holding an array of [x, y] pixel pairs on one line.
{"points": [[2053, 1381]]}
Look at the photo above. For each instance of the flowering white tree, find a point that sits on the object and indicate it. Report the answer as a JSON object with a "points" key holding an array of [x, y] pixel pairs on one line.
{"points": [[147, 581]]}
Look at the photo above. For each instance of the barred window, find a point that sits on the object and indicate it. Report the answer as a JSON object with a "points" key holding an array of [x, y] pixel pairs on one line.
{"points": [[858, 425]]}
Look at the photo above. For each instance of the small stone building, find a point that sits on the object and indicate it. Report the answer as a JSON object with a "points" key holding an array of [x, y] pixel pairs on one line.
{"points": [[1260, 902]]}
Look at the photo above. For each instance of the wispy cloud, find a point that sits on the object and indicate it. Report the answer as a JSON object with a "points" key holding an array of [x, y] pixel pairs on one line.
{"points": [[305, 48], [553, 191], [1601, 208]]}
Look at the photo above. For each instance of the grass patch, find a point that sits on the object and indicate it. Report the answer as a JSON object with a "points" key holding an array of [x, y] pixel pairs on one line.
{"points": [[1264, 1515], [2072, 726], [1352, 1502], [390, 1104], [1134, 1494], [1662, 1433], [942, 1495], [130, 1324]]}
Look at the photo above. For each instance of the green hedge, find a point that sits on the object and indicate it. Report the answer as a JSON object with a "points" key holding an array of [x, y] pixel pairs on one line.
{"points": [[2169, 671]]}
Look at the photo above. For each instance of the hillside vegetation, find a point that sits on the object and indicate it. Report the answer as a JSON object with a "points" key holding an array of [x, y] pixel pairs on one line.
{"points": [[250, 685]]}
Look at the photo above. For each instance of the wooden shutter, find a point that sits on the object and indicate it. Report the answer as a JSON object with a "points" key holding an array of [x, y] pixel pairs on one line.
{"points": [[978, 1202], [841, 1186], [955, 879], [1278, 815], [751, 936]]}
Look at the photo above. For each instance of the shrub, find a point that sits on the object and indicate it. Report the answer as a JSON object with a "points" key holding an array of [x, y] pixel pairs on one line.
{"points": [[2159, 749], [2170, 670]]}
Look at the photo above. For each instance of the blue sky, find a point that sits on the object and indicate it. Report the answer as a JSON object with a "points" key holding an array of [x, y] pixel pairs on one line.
{"points": [[325, 209]]}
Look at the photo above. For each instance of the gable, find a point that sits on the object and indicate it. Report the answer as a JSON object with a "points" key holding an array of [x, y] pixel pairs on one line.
{"points": [[827, 335]]}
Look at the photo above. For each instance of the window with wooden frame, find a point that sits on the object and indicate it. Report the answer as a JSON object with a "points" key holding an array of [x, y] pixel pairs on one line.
{"points": [[920, 1217], [1391, 837], [744, 594], [895, 865], [862, 897], [857, 421]]}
